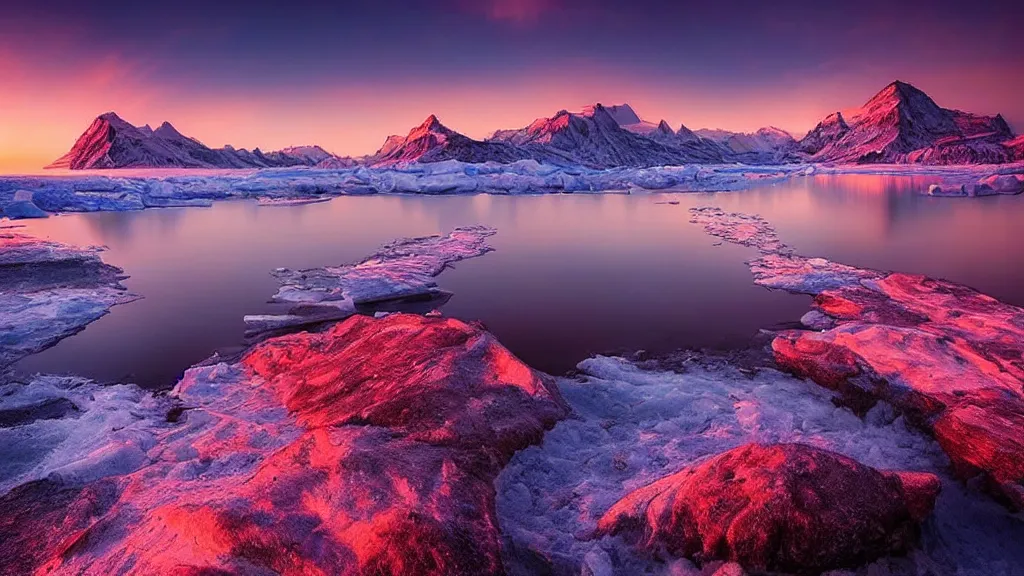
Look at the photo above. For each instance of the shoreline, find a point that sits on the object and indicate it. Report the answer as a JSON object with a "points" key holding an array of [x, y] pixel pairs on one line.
{"points": [[741, 394], [113, 190]]}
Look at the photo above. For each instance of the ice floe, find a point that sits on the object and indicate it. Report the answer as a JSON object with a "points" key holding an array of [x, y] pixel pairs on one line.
{"points": [[49, 291], [402, 269]]}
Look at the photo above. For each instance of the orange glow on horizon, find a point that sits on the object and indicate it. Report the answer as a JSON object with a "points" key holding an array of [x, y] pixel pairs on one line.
{"points": [[44, 109]]}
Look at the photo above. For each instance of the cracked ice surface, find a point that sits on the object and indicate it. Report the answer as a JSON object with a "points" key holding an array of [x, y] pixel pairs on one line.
{"points": [[401, 269], [633, 423], [73, 429], [49, 291]]}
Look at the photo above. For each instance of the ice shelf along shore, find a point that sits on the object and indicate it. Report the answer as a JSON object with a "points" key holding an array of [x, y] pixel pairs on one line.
{"points": [[49, 291], [118, 190], [406, 443]]}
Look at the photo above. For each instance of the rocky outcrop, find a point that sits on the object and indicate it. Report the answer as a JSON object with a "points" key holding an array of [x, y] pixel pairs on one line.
{"points": [[902, 124], [49, 291], [370, 448], [950, 358], [832, 128], [784, 507]]}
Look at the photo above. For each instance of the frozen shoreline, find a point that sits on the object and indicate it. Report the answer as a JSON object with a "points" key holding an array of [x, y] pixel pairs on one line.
{"points": [[122, 190], [234, 424]]}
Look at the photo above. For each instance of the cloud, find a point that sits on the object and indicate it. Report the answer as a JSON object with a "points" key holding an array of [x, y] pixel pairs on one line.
{"points": [[513, 12]]}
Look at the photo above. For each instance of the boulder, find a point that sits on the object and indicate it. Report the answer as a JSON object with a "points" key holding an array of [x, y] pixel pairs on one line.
{"points": [[782, 507], [948, 357], [370, 448]]}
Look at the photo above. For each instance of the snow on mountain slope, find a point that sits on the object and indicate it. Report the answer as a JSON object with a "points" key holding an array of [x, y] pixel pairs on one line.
{"points": [[902, 124], [432, 141], [111, 142], [765, 146], [622, 113], [595, 138], [832, 128], [312, 155]]}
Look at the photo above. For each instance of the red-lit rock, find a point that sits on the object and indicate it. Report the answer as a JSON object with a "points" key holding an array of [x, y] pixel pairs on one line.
{"points": [[783, 507], [370, 448], [948, 357]]}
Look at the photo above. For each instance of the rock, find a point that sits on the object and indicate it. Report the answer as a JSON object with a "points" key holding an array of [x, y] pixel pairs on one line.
{"points": [[730, 569], [370, 448], [946, 356], [785, 507], [1004, 183], [661, 414]]}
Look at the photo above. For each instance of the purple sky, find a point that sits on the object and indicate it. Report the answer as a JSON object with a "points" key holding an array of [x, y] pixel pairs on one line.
{"points": [[347, 74]]}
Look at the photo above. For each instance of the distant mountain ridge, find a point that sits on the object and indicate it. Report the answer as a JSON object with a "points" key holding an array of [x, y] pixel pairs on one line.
{"points": [[597, 137], [899, 124], [111, 142]]}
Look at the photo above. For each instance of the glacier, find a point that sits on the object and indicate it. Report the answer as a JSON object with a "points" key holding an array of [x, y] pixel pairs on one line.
{"points": [[129, 189]]}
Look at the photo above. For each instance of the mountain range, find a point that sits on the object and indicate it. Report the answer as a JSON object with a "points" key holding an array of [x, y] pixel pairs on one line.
{"points": [[901, 125], [110, 142]]}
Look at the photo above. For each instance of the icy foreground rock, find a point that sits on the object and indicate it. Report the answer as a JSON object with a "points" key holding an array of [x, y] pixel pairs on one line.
{"points": [[778, 507], [49, 291], [366, 449], [401, 270], [635, 422], [948, 357]]}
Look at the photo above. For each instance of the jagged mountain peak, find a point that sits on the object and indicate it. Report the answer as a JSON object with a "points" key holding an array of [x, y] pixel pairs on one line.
{"points": [[111, 117], [430, 126], [623, 114], [166, 130]]}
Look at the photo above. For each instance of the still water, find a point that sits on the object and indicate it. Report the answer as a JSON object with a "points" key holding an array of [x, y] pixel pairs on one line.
{"points": [[572, 275]]}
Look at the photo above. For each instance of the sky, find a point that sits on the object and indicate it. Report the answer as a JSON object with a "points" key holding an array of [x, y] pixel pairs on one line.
{"points": [[345, 75]]}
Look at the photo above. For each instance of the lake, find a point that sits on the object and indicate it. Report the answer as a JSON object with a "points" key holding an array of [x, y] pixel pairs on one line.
{"points": [[572, 275]]}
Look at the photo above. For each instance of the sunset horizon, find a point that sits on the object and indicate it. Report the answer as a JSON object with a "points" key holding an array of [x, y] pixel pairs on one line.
{"points": [[479, 67], [512, 288]]}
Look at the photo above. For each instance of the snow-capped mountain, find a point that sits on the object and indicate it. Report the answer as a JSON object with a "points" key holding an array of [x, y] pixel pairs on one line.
{"points": [[901, 124], [831, 129], [432, 141], [111, 142], [312, 155], [604, 137], [765, 146]]}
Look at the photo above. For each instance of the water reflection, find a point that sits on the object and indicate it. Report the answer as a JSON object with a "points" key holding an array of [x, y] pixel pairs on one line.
{"points": [[572, 274]]}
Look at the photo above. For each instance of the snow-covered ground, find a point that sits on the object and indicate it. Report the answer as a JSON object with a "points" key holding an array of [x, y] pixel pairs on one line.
{"points": [[138, 189]]}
